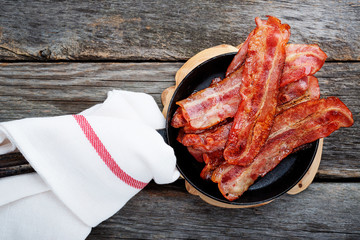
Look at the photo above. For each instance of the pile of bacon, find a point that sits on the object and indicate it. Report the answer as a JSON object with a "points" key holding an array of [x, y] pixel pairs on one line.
{"points": [[266, 107]]}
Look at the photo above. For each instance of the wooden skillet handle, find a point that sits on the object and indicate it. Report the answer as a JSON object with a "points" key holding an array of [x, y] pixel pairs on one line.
{"points": [[168, 93]]}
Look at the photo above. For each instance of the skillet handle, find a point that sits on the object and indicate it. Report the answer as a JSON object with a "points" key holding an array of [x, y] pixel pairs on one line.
{"points": [[163, 133]]}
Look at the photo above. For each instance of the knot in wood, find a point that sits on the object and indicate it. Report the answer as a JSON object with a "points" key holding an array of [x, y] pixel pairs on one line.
{"points": [[45, 53]]}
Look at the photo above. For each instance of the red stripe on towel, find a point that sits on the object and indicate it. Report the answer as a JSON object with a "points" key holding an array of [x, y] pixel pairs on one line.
{"points": [[105, 155]]}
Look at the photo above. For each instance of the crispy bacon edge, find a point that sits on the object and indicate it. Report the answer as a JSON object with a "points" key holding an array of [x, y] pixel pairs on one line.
{"points": [[301, 60], [304, 123]]}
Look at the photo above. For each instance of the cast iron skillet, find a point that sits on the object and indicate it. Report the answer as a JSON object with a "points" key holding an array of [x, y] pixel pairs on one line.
{"points": [[277, 182]]}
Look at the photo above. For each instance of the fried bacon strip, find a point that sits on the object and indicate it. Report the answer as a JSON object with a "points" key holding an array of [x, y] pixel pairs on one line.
{"points": [[211, 105], [304, 123], [259, 90], [301, 60], [302, 90]]}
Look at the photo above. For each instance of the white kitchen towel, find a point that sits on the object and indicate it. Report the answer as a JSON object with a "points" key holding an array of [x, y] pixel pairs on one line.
{"points": [[88, 166]]}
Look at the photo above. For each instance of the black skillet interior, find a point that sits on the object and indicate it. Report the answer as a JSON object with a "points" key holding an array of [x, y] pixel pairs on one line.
{"points": [[277, 182]]}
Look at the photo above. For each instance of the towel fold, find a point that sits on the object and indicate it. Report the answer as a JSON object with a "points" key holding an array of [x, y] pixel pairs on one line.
{"points": [[87, 166]]}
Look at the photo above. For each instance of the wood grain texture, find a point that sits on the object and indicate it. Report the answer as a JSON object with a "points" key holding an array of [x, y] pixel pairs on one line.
{"points": [[50, 89], [323, 211], [165, 30], [139, 46]]}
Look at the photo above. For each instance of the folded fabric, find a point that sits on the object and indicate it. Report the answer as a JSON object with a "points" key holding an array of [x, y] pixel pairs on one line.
{"points": [[88, 166]]}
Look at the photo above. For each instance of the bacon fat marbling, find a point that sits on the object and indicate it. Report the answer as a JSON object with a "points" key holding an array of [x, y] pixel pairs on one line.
{"points": [[211, 105]]}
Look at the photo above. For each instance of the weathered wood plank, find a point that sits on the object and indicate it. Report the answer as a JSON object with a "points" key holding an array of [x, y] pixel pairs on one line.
{"points": [[35, 89], [342, 81], [168, 212], [50, 89], [165, 30]]}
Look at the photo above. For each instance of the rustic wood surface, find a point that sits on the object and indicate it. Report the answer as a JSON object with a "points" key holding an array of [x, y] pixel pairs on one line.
{"points": [[323, 211], [165, 30], [61, 57]]}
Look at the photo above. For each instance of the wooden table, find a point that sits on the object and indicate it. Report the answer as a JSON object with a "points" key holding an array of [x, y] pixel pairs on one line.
{"points": [[62, 57]]}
